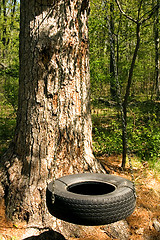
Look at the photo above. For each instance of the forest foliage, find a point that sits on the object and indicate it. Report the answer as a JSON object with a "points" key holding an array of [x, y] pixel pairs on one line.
{"points": [[143, 106]]}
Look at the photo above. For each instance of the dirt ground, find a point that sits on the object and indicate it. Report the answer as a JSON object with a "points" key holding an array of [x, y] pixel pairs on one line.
{"points": [[142, 223]]}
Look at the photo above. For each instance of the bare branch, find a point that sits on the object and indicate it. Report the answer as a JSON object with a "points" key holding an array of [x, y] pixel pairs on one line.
{"points": [[121, 10], [140, 5], [150, 14]]}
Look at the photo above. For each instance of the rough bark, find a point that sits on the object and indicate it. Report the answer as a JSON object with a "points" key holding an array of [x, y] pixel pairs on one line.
{"points": [[53, 119]]}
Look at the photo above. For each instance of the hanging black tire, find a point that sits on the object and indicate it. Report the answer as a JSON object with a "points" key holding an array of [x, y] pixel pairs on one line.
{"points": [[91, 198]]}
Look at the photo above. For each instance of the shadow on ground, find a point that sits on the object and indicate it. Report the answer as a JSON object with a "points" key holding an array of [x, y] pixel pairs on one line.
{"points": [[48, 235]]}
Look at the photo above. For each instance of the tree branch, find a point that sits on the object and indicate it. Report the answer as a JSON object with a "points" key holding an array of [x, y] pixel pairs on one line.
{"points": [[150, 13], [140, 5], [120, 8]]}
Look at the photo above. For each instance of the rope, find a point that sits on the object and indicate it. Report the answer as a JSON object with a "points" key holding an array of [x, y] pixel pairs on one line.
{"points": [[56, 145], [56, 142], [120, 100]]}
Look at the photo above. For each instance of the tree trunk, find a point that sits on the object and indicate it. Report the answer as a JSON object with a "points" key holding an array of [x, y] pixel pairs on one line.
{"points": [[112, 67], [53, 119], [4, 28], [156, 40], [125, 102]]}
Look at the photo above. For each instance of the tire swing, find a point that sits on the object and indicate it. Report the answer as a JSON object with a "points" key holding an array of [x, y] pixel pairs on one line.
{"points": [[91, 199]]}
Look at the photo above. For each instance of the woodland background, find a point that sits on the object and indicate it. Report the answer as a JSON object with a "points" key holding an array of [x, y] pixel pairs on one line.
{"points": [[143, 105]]}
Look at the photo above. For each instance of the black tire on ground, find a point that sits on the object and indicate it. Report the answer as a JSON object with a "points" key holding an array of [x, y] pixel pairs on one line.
{"points": [[91, 199]]}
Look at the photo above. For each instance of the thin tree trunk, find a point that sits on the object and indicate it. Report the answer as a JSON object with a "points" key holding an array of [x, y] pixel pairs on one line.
{"points": [[4, 28], [53, 120], [0, 31], [156, 40], [14, 2], [125, 102], [138, 22], [112, 71]]}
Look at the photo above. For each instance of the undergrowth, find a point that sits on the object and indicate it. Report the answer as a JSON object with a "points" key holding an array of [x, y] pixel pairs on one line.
{"points": [[143, 130], [7, 126]]}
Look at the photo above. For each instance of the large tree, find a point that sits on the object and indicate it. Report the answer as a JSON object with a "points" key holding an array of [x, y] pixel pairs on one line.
{"points": [[53, 119]]}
